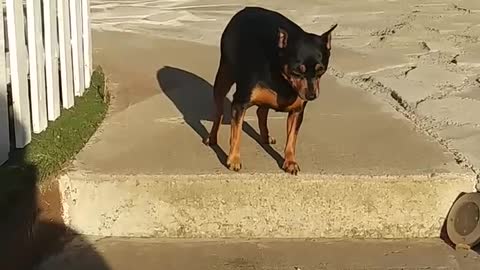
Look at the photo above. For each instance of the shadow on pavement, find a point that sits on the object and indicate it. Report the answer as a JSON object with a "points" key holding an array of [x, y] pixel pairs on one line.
{"points": [[193, 97], [31, 225]]}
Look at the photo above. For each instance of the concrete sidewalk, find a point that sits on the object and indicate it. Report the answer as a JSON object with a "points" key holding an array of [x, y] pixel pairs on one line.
{"points": [[420, 56], [151, 254], [164, 105], [366, 172]]}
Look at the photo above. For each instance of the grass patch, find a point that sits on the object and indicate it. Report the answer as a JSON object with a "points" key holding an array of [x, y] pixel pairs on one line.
{"points": [[48, 151]]}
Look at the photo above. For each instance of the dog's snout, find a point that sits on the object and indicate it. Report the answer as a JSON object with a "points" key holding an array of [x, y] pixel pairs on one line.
{"points": [[310, 96]]}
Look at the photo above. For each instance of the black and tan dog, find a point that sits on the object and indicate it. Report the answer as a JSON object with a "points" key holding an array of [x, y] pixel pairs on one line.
{"points": [[275, 65]]}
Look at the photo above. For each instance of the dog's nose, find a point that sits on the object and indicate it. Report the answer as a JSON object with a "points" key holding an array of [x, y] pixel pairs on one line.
{"points": [[310, 96]]}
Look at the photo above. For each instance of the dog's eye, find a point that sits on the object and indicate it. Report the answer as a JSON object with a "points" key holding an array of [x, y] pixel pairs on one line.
{"points": [[299, 70], [319, 71], [296, 73]]}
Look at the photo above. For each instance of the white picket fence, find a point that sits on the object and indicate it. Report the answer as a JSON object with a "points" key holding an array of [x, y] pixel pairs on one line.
{"points": [[45, 60]]}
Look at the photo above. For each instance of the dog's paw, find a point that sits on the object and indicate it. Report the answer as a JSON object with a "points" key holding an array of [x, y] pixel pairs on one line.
{"points": [[291, 167], [234, 163], [209, 141], [269, 140]]}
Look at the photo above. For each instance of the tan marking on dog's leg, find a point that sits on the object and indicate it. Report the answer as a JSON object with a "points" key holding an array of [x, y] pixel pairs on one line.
{"points": [[238, 114], [294, 121]]}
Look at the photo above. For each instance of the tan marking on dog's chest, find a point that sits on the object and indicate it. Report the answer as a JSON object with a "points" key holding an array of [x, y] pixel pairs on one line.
{"points": [[268, 98]]}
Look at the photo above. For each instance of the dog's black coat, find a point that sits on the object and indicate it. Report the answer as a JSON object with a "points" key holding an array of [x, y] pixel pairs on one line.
{"points": [[275, 65], [249, 45]]}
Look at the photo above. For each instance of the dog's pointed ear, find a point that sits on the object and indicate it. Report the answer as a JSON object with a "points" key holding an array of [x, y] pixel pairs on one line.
{"points": [[282, 38], [327, 36]]}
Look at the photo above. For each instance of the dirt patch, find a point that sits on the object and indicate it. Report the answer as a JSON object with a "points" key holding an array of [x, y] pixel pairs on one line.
{"points": [[34, 228]]}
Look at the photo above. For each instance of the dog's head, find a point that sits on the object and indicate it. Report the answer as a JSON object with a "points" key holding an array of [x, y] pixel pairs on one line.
{"points": [[304, 60]]}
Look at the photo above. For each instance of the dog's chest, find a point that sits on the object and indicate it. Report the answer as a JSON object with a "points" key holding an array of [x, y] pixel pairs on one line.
{"points": [[265, 97]]}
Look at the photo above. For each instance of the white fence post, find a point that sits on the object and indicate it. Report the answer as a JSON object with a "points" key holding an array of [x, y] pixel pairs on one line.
{"points": [[38, 97], [18, 71], [4, 128], [87, 42], [51, 55], [77, 46], [66, 66], [52, 43]]}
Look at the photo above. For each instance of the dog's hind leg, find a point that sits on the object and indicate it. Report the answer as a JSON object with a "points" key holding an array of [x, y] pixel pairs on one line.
{"points": [[265, 138], [223, 83]]}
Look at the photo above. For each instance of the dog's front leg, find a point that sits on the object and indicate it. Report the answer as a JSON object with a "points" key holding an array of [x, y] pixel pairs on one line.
{"points": [[238, 113], [294, 121]]}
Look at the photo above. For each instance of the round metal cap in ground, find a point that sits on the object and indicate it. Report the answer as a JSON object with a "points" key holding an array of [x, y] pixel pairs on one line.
{"points": [[463, 220]]}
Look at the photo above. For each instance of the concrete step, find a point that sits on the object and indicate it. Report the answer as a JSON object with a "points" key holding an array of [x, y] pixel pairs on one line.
{"points": [[366, 171], [150, 254], [260, 205]]}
